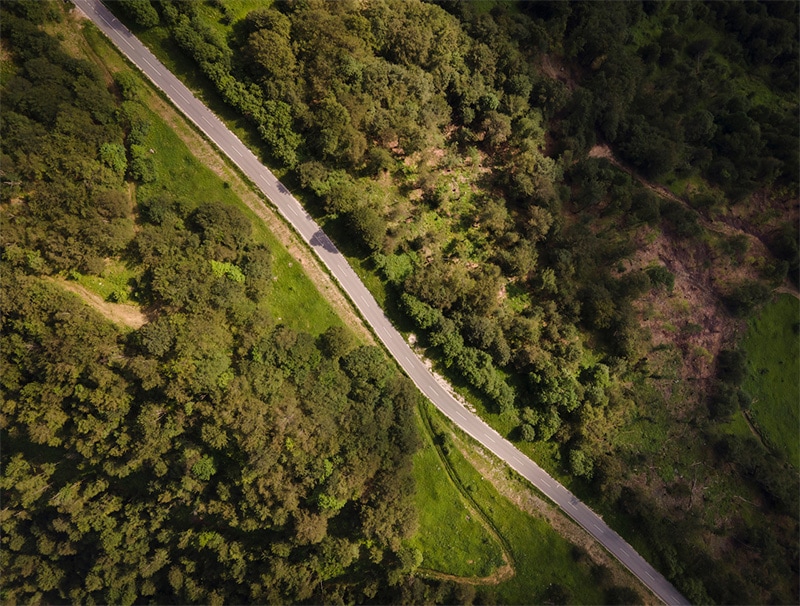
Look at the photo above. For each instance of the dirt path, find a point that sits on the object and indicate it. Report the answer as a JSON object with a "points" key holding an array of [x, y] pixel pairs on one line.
{"points": [[604, 151], [128, 315], [502, 573], [505, 572], [789, 291], [756, 243]]}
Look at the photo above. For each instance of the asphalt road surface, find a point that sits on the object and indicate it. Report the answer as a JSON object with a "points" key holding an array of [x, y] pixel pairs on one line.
{"points": [[291, 209]]}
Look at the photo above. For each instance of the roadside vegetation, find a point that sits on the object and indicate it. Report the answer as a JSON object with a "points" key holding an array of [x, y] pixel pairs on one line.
{"points": [[573, 206], [546, 567], [453, 537]]}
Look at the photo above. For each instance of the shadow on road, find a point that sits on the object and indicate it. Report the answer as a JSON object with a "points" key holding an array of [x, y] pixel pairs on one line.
{"points": [[320, 239]]}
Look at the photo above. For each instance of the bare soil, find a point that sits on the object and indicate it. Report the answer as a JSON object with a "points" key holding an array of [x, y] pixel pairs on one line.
{"points": [[128, 315], [553, 67], [693, 316]]}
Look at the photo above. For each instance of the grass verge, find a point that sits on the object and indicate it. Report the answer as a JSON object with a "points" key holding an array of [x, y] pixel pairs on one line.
{"points": [[294, 300], [548, 568]]}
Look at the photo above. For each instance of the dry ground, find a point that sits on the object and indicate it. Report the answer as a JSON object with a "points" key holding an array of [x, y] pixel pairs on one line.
{"points": [[127, 315]]}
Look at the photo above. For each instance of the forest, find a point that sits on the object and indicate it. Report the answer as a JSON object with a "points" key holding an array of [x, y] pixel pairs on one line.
{"points": [[214, 455], [535, 190], [507, 170]]}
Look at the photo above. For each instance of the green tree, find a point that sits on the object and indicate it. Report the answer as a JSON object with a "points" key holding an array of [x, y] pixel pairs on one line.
{"points": [[141, 11]]}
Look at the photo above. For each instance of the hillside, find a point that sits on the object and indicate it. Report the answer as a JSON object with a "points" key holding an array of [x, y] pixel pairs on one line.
{"points": [[201, 450], [169, 347], [574, 206]]}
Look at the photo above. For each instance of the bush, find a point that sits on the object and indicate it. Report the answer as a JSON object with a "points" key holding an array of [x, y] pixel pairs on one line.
{"points": [[732, 366], [682, 220], [745, 297], [646, 207], [581, 464], [127, 84], [113, 156], [659, 274], [141, 168]]}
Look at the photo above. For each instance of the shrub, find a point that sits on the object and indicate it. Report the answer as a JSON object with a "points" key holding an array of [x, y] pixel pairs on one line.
{"points": [[745, 297]]}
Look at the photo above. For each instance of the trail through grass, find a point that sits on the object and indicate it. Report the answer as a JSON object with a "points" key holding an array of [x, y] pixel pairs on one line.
{"points": [[453, 538], [548, 568]]}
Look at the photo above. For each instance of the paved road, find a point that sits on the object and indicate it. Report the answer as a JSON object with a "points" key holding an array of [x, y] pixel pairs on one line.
{"points": [[361, 297]]}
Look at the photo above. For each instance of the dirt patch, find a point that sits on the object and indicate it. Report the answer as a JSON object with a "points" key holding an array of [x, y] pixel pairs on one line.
{"points": [[503, 573], [128, 315], [528, 501], [553, 67], [604, 151], [692, 316], [601, 151]]}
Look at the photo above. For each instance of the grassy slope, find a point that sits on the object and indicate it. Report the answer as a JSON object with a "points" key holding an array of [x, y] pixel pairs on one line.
{"points": [[773, 378], [452, 538], [541, 557]]}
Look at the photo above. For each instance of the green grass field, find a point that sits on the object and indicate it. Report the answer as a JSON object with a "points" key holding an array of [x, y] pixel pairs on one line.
{"points": [[452, 537], [773, 379]]}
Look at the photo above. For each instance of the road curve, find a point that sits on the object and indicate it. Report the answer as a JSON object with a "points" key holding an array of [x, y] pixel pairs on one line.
{"points": [[308, 229]]}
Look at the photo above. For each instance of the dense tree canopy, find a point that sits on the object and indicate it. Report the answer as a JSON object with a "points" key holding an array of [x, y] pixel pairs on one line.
{"points": [[213, 455], [450, 146]]}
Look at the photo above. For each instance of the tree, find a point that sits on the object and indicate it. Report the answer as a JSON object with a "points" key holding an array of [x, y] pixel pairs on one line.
{"points": [[141, 11], [369, 226], [580, 463], [745, 296], [732, 366], [272, 54], [337, 341], [113, 155], [204, 468]]}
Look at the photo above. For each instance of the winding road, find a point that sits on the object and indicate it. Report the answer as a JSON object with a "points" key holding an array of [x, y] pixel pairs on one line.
{"points": [[311, 233]]}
